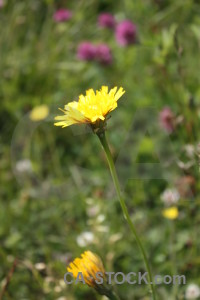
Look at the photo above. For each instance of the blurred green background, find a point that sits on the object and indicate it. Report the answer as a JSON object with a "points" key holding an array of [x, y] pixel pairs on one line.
{"points": [[57, 197]]}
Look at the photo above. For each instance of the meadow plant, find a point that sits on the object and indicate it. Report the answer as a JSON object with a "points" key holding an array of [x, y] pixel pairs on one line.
{"points": [[167, 119], [126, 32], [62, 15], [103, 54], [106, 20], [93, 109], [86, 51], [89, 265]]}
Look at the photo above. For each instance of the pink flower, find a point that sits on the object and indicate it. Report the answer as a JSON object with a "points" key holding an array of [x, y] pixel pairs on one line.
{"points": [[103, 54], [106, 20], [126, 33], [1, 3], [62, 15], [86, 51], [166, 117]]}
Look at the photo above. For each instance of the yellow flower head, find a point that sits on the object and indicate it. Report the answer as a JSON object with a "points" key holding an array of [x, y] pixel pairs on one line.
{"points": [[39, 113], [89, 264], [90, 108], [170, 213]]}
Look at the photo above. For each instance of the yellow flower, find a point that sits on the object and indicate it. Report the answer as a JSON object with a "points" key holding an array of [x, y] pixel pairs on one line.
{"points": [[170, 213], [89, 264], [39, 113], [90, 108]]}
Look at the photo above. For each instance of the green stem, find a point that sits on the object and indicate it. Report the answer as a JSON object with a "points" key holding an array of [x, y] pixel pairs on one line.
{"points": [[113, 296], [111, 164]]}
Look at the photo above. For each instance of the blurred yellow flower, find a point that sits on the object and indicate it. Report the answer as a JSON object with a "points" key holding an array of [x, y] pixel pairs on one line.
{"points": [[89, 264], [90, 108], [170, 213], [39, 113]]}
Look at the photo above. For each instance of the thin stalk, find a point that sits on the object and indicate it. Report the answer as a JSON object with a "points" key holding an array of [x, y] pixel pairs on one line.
{"points": [[103, 140], [112, 295]]}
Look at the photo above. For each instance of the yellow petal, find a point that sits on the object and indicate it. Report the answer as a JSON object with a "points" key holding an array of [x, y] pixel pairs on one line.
{"points": [[73, 104], [104, 89], [119, 93]]}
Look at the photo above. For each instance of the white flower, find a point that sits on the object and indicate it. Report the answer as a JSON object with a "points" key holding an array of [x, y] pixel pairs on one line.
{"points": [[85, 238], [40, 266], [190, 150], [57, 289], [100, 218], [192, 291], [115, 237], [170, 197], [93, 210], [24, 166], [102, 228]]}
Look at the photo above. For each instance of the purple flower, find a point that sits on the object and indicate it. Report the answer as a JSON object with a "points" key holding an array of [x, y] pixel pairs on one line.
{"points": [[106, 20], [126, 33], [62, 15], [103, 54], [86, 51], [166, 117]]}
